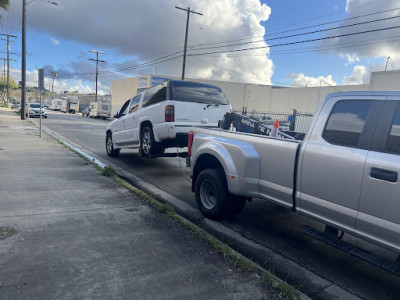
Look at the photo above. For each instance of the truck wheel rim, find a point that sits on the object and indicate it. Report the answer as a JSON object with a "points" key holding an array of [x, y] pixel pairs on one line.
{"points": [[146, 142], [208, 194], [109, 145]]}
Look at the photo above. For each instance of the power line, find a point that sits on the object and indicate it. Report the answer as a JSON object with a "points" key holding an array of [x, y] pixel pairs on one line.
{"points": [[301, 34], [313, 49], [298, 42], [307, 27]]}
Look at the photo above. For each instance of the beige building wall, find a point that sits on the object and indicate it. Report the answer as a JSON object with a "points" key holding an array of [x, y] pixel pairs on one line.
{"points": [[305, 99], [387, 80]]}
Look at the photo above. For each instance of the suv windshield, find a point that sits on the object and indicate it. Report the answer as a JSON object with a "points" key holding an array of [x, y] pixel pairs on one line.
{"points": [[197, 92], [35, 105]]}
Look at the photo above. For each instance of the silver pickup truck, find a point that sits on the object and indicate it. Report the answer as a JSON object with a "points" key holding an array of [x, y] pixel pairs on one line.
{"points": [[343, 174]]}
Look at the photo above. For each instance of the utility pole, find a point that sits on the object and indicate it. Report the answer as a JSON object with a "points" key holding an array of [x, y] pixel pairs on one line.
{"points": [[97, 66], [53, 74], [23, 61], [8, 64], [186, 36]]}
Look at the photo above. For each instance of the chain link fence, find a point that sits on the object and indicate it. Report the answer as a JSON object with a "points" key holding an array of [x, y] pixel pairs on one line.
{"points": [[294, 121]]}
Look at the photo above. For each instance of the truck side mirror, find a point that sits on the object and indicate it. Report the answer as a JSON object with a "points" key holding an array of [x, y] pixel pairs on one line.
{"points": [[116, 115]]}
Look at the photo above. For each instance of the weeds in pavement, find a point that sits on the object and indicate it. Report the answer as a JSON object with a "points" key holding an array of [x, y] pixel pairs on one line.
{"points": [[5, 231], [108, 171]]}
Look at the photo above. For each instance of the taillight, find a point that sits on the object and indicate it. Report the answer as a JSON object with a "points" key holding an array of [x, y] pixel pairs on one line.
{"points": [[190, 143], [169, 113]]}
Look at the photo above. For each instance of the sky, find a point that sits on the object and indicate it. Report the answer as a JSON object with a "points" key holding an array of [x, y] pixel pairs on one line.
{"points": [[285, 43]]}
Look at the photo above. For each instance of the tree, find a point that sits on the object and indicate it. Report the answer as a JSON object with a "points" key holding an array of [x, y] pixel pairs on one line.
{"points": [[4, 5], [3, 83]]}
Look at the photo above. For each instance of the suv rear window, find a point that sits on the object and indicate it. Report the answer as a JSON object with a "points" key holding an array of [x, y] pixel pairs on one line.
{"points": [[197, 92]]}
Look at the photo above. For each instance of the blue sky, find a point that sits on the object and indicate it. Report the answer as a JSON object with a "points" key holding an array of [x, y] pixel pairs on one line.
{"points": [[142, 37]]}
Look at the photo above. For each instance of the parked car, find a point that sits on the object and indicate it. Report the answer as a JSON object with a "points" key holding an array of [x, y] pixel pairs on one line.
{"points": [[162, 116], [34, 110], [100, 109], [16, 105]]}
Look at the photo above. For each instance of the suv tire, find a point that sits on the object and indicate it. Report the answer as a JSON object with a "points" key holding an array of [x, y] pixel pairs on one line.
{"points": [[148, 145], [110, 147]]}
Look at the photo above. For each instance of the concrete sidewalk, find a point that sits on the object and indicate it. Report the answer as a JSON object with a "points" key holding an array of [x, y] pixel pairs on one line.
{"points": [[80, 235]]}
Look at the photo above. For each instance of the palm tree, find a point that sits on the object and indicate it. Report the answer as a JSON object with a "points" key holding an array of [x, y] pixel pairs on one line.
{"points": [[4, 5]]}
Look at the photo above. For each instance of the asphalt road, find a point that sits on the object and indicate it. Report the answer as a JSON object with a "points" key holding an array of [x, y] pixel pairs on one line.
{"points": [[265, 224]]}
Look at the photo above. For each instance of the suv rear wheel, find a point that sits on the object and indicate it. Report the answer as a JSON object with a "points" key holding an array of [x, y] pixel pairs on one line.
{"points": [[148, 145]]}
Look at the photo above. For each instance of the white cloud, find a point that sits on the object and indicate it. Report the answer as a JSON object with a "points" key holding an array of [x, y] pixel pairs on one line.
{"points": [[141, 29], [54, 41], [301, 80], [360, 76], [351, 58], [59, 85], [380, 43]]}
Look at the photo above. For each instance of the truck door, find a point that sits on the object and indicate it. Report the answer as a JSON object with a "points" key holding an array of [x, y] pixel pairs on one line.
{"points": [[131, 121], [119, 125], [333, 160], [379, 216]]}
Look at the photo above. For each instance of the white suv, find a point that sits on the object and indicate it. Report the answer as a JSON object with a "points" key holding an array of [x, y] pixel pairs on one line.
{"points": [[34, 110], [161, 117]]}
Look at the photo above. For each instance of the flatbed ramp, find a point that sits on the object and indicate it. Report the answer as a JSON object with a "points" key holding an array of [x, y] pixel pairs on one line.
{"points": [[374, 259]]}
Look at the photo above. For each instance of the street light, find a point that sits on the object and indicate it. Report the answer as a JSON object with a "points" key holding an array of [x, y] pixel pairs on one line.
{"points": [[23, 64]]}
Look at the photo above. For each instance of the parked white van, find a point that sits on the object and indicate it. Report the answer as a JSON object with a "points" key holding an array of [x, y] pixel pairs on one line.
{"points": [[162, 116]]}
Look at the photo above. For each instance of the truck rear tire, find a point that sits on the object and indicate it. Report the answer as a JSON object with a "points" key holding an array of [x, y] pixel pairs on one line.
{"points": [[211, 194], [110, 147]]}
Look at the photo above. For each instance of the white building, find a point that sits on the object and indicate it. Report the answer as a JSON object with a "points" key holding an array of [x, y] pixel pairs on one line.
{"points": [[256, 96]]}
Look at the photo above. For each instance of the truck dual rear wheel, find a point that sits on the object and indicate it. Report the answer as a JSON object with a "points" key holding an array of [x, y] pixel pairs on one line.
{"points": [[110, 147], [213, 197]]}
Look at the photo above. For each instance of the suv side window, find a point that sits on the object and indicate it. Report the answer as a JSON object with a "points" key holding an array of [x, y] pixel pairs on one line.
{"points": [[346, 122], [135, 103], [393, 141], [124, 109], [155, 95]]}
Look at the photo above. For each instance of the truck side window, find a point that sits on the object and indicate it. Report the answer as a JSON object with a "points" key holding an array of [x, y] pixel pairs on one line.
{"points": [[124, 109], [346, 122], [134, 104], [393, 141]]}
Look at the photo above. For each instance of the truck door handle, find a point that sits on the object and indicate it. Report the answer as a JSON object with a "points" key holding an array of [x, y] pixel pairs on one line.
{"points": [[383, 174]]}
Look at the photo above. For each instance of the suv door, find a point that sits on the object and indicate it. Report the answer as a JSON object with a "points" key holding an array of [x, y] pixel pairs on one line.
{"points": [[378, 216], [118, 128], [334, 158], [131, 121]]}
